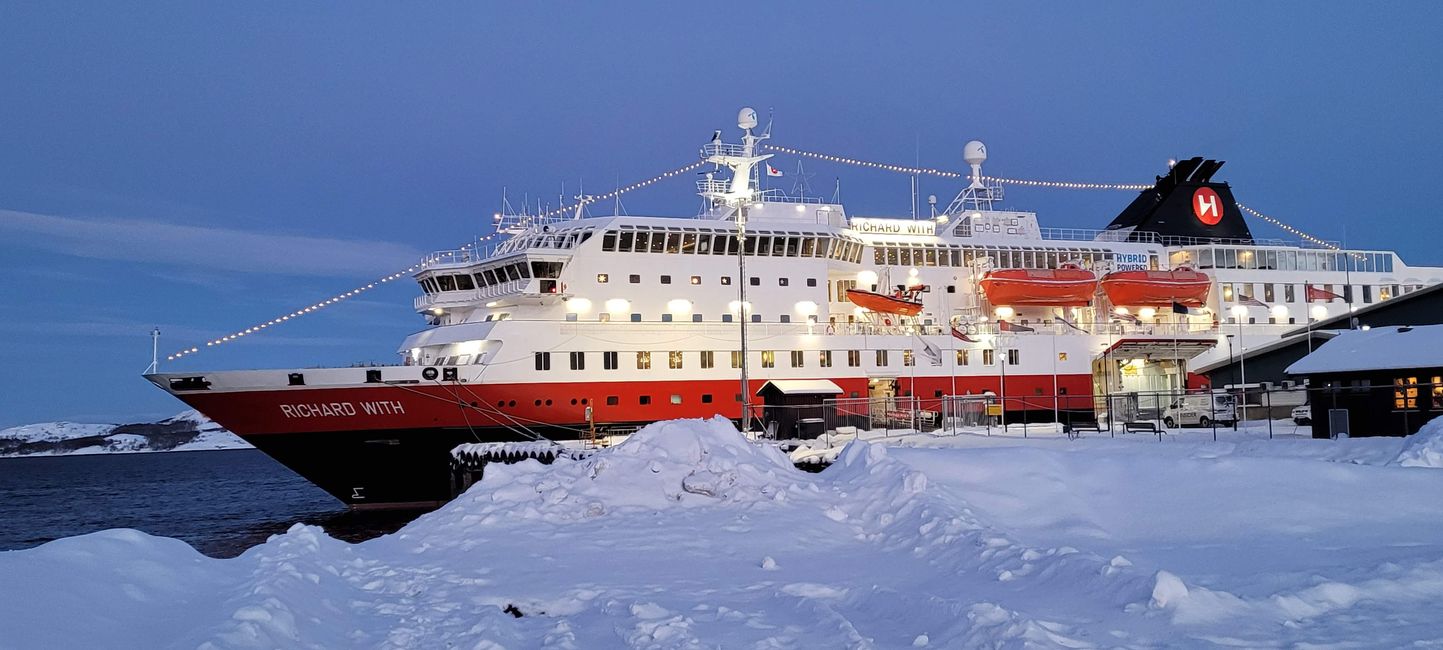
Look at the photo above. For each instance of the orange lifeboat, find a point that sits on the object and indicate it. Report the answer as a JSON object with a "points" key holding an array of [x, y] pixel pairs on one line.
{"points": [[1068, 286], [1157, 288], [904, 304]]}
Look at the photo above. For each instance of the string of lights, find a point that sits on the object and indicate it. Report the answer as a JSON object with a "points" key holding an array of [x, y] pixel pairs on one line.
{"points": [[475, 245], [1289, 229], [929, 171]]}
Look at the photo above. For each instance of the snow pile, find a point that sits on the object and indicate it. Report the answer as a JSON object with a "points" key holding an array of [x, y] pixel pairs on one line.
{"points": [[665, 463], [1425, 448]]}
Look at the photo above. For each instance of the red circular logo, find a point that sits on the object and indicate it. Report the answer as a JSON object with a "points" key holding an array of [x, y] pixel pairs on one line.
{"points": [[1207, 206]]}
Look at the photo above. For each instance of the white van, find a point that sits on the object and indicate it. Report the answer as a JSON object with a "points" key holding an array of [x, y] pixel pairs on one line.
{"points": [[1202, 409]]}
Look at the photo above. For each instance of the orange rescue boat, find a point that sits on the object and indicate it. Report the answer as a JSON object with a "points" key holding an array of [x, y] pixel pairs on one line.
{"points": [[900, 303], [1157, 288], [1067, 286]]}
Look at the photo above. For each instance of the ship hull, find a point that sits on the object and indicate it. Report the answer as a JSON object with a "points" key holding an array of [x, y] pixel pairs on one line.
{"points": [[370, 456]]}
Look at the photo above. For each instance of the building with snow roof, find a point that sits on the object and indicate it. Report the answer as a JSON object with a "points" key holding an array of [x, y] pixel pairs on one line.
{"points": [[1375, 381]]}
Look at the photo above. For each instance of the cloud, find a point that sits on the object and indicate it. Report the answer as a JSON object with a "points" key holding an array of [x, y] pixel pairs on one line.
{"points": [[226, 249]]}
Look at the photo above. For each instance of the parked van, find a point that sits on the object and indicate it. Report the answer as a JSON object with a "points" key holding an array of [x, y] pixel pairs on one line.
{"points": [[1202, 409]]}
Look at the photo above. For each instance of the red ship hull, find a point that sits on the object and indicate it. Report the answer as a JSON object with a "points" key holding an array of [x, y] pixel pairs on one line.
{"points": [[1040, 287]]}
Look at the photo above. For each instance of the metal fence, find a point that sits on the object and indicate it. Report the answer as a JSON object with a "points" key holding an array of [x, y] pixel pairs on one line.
{"points": [[1346, 409]]}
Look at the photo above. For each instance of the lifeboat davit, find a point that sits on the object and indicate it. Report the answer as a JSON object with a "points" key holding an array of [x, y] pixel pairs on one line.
{"points": [[1157, 288], [882, 303], [1068, 286]]}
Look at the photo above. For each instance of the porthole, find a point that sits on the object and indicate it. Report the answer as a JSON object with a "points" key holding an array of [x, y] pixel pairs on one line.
{"points": [[538, 402], [511, 403], [548, 402]]}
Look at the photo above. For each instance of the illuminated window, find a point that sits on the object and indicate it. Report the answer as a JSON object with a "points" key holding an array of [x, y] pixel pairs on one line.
{"points": [[825, 358], [1405, 393], [796, 358], [696, 279], [962, 357], [673, 360], [736, 359], [881, 358], [908, 359], [988, 357], [643, 361], [603, 278], [1061, 356], [708, 358], [1437, 392], [769, 359]]}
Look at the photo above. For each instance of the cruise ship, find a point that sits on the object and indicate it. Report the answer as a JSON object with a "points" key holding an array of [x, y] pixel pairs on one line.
{"points": [[572, 323]]}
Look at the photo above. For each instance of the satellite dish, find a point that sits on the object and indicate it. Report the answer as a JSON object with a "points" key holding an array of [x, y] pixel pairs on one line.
{"points": [[974, 153], [747, 118]]}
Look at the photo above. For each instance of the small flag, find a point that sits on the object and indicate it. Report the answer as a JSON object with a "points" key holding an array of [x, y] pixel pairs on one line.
{"points": [[773, 171], [1127, 317], [1005, 326], [1251, 301], [1315, 293], [1179, 308], [962, 336], [934, 356], [1063, 319]]}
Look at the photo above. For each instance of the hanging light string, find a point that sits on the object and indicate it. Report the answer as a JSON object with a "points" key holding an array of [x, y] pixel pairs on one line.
{"points": [[930, 171], [1276, 222], [475, 245]]}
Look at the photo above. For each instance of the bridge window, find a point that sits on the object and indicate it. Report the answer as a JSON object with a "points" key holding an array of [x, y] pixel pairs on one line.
{"points": [[446, 282], [608, 241], [463, 282], [624, 241]]}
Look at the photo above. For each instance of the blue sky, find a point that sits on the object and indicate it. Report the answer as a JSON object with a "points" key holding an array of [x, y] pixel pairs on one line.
{"points": [[205, 166]]}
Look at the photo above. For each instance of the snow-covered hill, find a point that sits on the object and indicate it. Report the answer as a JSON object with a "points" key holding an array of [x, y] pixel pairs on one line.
{"points": [[188, 431], [688, 536]]}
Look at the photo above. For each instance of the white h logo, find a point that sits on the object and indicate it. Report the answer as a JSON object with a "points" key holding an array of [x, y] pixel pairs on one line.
{"points": [[1207, 205]]}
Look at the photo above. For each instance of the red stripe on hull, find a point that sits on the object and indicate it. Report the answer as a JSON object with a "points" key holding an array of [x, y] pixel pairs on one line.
{"points": [[423, 406]]}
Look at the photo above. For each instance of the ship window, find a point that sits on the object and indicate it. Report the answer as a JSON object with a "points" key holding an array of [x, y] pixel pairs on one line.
{"points": [[1289, 293], [612, 400], [1367, 293], [708, 359], [666, 279], [572, 317], [962, 357], [782, 282], [488, 277], [604, 317], [608, 360], [1268, 292], [785, 318], [908, 359], [797, 358], [634, 278], [636, 318], [931, 257], [794, 246], [754, 281], [602, 278], [658, 242], [824, 358], [1228, 291], [756, 318], [809, 247], [750, 248], [608, 241], [811, 282], [643, 242], [643, 360], [675, 399], [644, 400], [674, 360], [578, 361], [726, 279], [706, 398], [736, 359], [673, 243], [769, 359], [696, 318], [688, 243], [543, 360], [666, 317], [463, 282], [854, 358], [446, 282], [625, 240], [726, 318], [989, 357], [524, 270], [696, 279], [703, 244], [1014, 356], [881, 358], [779, 246]]}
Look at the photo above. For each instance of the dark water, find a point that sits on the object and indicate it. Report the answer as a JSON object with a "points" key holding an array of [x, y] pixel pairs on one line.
{"points": [[221, 502]]}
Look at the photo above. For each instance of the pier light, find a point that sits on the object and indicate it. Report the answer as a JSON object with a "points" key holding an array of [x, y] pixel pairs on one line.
{"points": [[1280, 311], [806, 308], [679, 306], [1319, 312], [618, 306], [735, 306], [867, 278], [801, 208], [493, 303], [578, 305], [1004, 312], [1121, 311], [942, 219], [1239, 311], [1146, 312]]}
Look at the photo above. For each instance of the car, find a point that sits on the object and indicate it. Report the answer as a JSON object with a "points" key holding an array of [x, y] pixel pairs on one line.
{"points": [[1302, 415], [1202, 409]]}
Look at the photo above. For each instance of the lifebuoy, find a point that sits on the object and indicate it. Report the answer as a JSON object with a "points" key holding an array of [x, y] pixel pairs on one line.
{"points": [[429, 374], [831, 329], [887, 322]]}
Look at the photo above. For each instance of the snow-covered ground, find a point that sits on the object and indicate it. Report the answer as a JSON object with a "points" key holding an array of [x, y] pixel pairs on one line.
{"points": [[687, 535], [188, 431]]}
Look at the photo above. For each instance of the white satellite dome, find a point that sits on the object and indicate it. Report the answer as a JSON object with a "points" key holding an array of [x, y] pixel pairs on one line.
{"points": [[747, 118], [974, 152]]}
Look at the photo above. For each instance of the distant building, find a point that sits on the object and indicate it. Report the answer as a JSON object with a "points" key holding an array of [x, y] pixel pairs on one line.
{"points": [[1385, 381]]}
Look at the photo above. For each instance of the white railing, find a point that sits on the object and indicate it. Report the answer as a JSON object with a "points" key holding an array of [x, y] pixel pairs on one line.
{"points": [[722, 149]]}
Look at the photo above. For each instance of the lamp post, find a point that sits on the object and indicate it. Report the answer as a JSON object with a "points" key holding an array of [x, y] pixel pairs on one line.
{"points": [[1232, 375]]}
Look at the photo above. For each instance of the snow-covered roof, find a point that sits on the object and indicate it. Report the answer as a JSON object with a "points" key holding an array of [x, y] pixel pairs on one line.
{"points": [[803, 387], [1379, 348]]}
